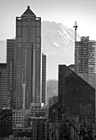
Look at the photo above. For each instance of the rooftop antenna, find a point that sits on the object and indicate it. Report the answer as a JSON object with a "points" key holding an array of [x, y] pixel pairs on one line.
{"points": [[75, 26]]}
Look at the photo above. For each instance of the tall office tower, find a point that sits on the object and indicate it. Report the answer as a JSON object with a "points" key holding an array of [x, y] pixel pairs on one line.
{"points": [[27, 59], [3, 86], [85, 60], [11, 70], [44, 93], [75, 95]]}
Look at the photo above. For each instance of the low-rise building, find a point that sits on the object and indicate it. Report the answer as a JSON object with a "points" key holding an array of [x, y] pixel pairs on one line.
{"points": [[5, 123], [38, 110], [19, 118]]}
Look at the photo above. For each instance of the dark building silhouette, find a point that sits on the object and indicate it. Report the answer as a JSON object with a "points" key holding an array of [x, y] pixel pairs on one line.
{"points": [[5, 123], [54, 113], [76, 96], [3, 86], [27, 59], [24, 61], [11, 70], [40, 128], [44, 94]]}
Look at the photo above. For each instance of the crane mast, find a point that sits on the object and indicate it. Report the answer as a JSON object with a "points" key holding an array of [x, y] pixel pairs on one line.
{"points": [[75, 26]]}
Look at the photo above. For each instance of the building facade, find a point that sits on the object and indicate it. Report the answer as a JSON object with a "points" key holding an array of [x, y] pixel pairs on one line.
{"points": [[43, 129], [75, 95], [18, 119], [3, 86], [11, 71], [5, 123], [85, 60], [37, 110], [44, 91], [27, 59]]}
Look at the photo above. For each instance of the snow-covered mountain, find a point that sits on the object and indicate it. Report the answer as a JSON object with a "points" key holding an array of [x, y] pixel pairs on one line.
{"points": [[56, 38], [57, 43]]}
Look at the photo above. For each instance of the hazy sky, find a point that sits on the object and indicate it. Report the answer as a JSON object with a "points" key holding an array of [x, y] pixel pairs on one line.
{"points": [[65, 11]]}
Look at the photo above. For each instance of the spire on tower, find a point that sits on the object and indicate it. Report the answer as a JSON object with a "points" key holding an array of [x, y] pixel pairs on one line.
{"points": [[28, 12]]}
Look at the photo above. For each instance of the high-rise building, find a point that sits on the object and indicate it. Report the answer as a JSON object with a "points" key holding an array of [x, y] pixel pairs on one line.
{"points": [[75, 95], [27, 59], [85, 60], [3, 86], [44, 94], [81, 55], [11, 70]]}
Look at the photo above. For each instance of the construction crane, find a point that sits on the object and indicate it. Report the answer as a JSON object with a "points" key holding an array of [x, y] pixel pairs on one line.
{"points": [[75, 26]]}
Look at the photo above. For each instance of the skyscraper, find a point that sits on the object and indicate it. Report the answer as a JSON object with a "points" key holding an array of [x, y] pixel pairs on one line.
{"points": [[27, 61], [81, 55], [3, 86], [44, 94], [85, 60], [75, 95], [11, 70]]}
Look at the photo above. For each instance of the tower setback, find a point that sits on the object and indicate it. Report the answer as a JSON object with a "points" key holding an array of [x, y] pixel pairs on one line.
{"points": [[25, 57]]}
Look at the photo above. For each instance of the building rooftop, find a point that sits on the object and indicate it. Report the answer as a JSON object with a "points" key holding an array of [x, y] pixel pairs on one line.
{"points": [[28, 12]]}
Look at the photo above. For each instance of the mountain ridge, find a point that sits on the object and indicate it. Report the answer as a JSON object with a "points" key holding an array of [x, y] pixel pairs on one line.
{"points": [[57, 43]]}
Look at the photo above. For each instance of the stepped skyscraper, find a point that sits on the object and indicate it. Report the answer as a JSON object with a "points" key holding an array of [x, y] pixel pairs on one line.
{"points": [[27, 60]]}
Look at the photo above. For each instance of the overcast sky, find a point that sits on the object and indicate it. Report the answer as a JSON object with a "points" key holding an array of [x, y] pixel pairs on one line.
{"points": [[64, 11]]}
